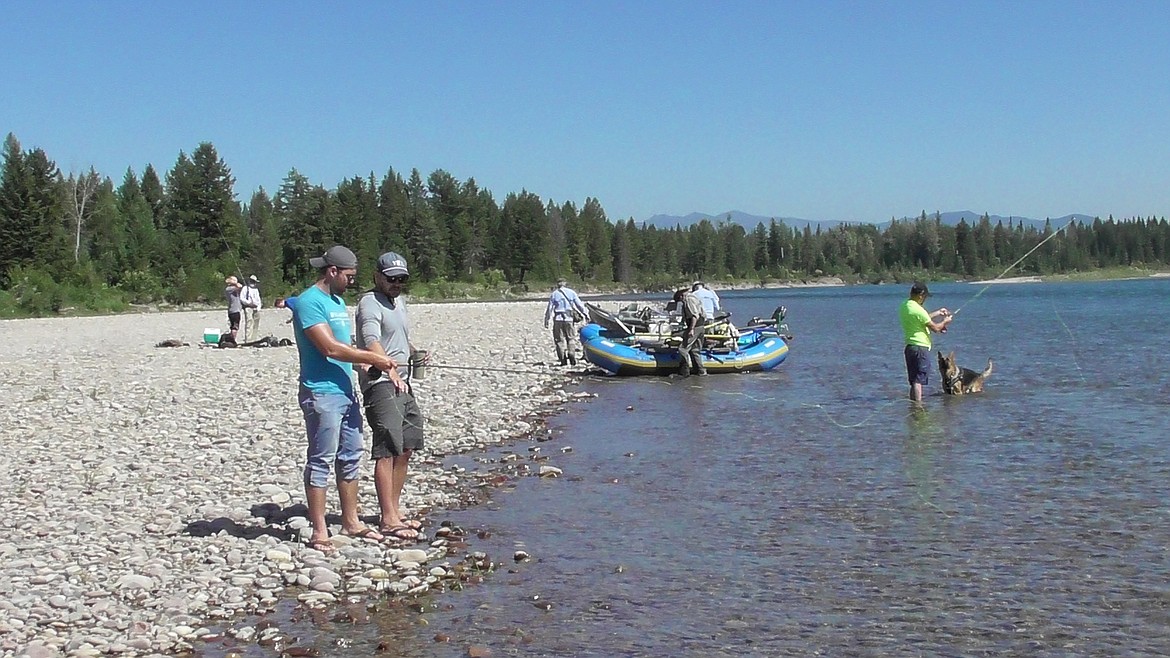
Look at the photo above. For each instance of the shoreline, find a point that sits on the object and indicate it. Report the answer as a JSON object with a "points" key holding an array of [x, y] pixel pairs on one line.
{"points": [[155, 493]]}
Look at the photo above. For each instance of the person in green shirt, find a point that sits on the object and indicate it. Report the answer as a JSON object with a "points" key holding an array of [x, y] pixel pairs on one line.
{"points": [[917, 324]]}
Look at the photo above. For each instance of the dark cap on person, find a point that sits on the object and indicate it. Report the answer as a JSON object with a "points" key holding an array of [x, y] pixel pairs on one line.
{"points": [[391, 264], [562, 283], [919, 288], [335, 256]]}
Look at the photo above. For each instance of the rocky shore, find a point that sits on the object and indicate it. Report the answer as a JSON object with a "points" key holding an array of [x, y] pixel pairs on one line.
{"points": [[152, 493]]}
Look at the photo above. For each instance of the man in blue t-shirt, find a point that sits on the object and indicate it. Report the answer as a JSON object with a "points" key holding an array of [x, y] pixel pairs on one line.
{"points": [[333, 415]]}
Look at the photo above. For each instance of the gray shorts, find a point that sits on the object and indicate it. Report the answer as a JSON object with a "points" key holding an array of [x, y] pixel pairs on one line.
{"points": [[395, 419]]}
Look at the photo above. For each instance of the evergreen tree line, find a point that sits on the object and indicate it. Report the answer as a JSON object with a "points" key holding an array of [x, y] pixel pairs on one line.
{"points": [[81, 240]]}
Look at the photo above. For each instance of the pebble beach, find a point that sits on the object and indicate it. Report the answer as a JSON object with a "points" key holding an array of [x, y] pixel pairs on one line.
{"points": [[153, 494]]}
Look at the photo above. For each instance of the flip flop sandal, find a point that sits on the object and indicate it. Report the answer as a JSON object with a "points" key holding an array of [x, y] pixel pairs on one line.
{"points": [[400, 533], [366, 533], [323, 545]]}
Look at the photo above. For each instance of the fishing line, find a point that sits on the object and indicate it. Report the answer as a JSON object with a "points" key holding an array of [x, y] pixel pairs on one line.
{"points": [[862, 422], [515, 371], [1074, 342], [1010, 267], [736, 393], [231, 250]]}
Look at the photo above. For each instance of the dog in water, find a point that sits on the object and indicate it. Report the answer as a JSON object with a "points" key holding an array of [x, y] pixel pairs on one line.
{"points": [[957, 380]]}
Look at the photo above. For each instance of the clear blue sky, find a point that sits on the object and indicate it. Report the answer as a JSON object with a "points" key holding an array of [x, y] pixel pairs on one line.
{"points": [[820, 110]]}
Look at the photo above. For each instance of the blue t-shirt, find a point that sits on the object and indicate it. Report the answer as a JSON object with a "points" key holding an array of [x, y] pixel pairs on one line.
{"points": [[318, 373], [291, 303]]}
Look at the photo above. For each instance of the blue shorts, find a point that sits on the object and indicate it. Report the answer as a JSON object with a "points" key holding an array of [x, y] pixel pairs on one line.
{"points": [[918, 364], [333, 423]]}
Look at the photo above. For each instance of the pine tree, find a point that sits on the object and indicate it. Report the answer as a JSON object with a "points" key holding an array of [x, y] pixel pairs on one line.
{"points": [[14, 249], [107, 240], [135, 211], [523, 228], [31, 210], [393, 209], [264, 255], [597, 245], [426, 243], [155, 194], [620, 250]]}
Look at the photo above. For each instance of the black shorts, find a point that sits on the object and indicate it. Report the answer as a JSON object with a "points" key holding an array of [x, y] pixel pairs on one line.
{"points": [[234, 321], [918, 364], [395, 420]]}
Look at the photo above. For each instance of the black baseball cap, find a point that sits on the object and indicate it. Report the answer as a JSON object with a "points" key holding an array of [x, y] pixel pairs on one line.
{"points": [[336, 256], [919, 288]]}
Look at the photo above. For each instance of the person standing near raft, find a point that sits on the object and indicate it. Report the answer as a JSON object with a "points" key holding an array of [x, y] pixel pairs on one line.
{"points": [[917, 324], [707, 297], [333, 415], [388, 397], [562, 304], [694, 321]]}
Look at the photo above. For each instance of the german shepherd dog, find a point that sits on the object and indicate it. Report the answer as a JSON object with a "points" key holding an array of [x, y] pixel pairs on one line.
{"points": [[957, 380]]}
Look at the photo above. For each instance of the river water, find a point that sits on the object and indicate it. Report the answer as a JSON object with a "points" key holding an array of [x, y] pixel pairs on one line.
{"points": [[813, 510]]}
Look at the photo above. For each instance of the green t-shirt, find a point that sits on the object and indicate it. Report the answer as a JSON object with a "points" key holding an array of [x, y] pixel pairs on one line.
{"points": [[914, 323]]}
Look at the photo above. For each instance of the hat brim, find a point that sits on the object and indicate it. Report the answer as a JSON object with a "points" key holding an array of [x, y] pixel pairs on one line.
{"points": [[395, 271], [318, 262]]}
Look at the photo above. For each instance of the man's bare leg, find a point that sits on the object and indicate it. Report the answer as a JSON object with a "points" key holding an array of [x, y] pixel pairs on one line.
{"points": [[389, 476], [316, 499], [347, 491], [384, 484], [916, 392], [400, 467]]}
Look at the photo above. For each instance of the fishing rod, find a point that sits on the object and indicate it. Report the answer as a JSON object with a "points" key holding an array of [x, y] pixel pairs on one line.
{"points": [[515, 371], [1010, 267]]}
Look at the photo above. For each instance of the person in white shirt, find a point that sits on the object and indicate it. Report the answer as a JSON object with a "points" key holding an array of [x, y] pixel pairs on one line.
{"points": [[250, 301], [707, 297], [562, 304]]}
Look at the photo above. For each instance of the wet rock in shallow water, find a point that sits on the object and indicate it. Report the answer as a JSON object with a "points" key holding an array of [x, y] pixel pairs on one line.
{"points": [[520, 556], [547, 471]]}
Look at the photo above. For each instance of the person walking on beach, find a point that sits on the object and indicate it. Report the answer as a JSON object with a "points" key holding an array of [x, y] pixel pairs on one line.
{"points": [[562, 305], [333, 417], [231, 292], [391, 409], [693, 321], [250, 301], [707, 297], [917, 324]]}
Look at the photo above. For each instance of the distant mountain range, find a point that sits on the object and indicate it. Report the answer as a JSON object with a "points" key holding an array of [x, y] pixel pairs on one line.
{"points": [[749, 221]]}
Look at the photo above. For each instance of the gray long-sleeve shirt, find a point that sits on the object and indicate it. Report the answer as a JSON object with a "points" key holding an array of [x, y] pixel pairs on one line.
{"points": [[383, 320]]}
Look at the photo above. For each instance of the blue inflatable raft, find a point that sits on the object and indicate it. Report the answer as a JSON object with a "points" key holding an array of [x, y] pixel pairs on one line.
{"points": [[622, 352]]}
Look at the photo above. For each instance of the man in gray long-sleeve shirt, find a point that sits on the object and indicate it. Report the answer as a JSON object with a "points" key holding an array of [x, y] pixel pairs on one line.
{"points": [[561, 305], [231, 292], [388, 398]]}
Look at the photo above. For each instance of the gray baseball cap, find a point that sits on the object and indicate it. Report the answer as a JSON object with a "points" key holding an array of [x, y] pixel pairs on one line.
{"points": [[391, 264], [335, 256]]}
